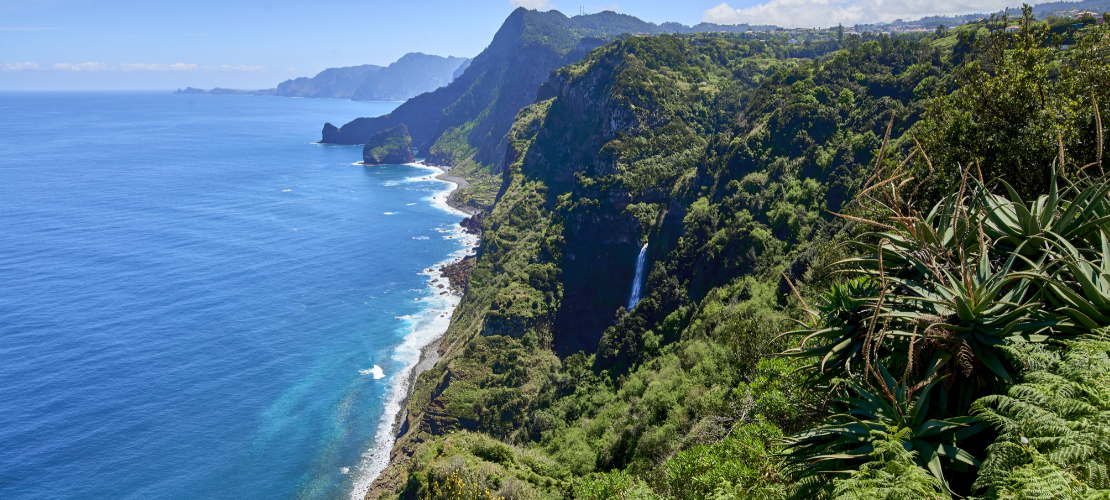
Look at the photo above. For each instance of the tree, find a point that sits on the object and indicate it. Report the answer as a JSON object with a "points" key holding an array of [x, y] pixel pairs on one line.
{"points": [[1022, 109]]}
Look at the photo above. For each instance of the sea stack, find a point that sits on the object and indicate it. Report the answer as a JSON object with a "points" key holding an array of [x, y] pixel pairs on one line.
{"points": [[390, 146]]}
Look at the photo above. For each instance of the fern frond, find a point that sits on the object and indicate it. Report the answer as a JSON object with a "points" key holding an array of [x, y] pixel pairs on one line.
{"points": [[1054, 426]]}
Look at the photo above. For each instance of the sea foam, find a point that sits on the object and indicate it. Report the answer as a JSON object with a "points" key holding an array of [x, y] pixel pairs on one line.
{"points": [[376, 371]]}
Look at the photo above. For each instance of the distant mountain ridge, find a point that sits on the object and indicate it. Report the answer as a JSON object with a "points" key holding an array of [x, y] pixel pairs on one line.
{"points": [[332, 82], [413, 74], [223, 91], [466, 121]]}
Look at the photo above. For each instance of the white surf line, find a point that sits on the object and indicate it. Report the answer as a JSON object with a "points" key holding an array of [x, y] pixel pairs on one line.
{"points": [[426, 327]]}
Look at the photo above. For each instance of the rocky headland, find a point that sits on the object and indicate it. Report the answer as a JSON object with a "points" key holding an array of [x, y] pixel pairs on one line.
{"points": [[389, 147]]}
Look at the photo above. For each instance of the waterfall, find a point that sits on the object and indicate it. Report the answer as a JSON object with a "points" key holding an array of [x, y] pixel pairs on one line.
{"points": [[638, 281]]}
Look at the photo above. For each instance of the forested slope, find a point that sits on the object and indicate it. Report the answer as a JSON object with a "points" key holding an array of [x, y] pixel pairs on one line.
{"points": [[778, 195]]}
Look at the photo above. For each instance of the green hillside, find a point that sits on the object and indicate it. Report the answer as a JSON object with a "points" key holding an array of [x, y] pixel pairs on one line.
{"points": [[877, 270], [390, 146]]}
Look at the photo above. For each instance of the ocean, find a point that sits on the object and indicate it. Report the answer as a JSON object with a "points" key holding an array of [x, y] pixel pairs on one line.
{"points": [[194, 295]]}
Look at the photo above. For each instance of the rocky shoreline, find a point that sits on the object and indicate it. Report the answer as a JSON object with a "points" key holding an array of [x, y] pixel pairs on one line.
{"points": [[459, 182], [457, 275]]}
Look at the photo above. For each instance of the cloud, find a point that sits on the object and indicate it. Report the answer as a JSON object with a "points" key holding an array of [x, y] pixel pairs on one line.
{"points": [[531, 4], [89, 66], [129, 67], [824, 13], [19, 66]]}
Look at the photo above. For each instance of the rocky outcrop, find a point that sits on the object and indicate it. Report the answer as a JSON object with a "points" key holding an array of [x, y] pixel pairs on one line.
{"points": [[389, 147], [421, 114], [473, 224], [458, 273]]}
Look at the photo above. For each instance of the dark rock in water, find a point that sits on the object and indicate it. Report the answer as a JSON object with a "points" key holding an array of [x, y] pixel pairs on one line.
{"points": [[473, 224], [392, 146], [459, 272]]}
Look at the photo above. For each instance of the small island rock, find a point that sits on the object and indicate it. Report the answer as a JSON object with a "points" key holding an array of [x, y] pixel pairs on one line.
{"points": [[391, 146]]}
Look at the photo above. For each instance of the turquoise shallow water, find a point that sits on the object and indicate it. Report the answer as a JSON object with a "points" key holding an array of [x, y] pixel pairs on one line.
{"points": [[194, 293]]}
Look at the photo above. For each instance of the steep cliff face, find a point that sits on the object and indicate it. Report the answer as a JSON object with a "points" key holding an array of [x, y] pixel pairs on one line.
{"points": [[467, 120], [388, 147]]}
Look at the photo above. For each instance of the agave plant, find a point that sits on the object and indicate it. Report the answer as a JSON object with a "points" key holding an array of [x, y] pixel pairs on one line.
{"points": [[1032, 230], [1080, 288], [916, 248], [848, 437], [838, 332], [978, 312], [948, 298]]}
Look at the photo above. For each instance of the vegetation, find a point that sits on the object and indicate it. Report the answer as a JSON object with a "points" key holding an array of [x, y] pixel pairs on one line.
{"points": [[879, 272], [388, 146]]}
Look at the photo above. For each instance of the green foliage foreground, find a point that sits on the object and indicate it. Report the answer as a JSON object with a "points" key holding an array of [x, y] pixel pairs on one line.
{"points": [[954, 301]]}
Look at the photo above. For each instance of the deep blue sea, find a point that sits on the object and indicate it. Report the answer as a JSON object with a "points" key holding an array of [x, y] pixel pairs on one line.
{"points": [[193, 296]]}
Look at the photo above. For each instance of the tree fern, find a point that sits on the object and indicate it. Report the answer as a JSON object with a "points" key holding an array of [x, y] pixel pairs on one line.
{"points": [[1058, 415], [892, 473], [1040, 479]]}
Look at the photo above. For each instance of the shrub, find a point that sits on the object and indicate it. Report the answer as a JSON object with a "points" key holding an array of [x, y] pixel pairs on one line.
{"points": [[454, 487]]}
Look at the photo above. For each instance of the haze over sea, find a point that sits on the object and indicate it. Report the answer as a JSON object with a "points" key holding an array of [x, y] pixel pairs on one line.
{"points": [[194, 294]]}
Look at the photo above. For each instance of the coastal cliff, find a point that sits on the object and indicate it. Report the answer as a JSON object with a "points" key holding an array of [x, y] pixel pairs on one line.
{"points": [[714, 167], [411, 75], [464, 124], [625, 147], [392, 146]]}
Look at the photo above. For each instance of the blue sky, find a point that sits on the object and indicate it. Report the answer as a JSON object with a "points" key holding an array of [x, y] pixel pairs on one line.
{"points": [[87, 44]]}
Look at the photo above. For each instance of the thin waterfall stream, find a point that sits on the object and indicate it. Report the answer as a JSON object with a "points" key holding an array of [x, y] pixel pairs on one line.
{"points": [[638, 281]]}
